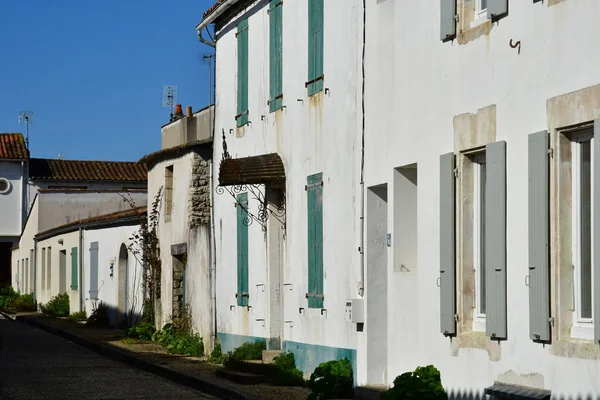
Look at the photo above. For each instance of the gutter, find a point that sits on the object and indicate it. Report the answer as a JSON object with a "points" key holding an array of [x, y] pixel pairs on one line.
{"points": [[361, 248], [92, 225], [214, 15], [80, 261]]}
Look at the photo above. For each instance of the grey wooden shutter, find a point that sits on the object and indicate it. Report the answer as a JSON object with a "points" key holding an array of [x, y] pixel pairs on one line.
{"points": [[539, 221], [447, 246], [596, 229], [496, 8], [448, 22], [495, 240], [94, 270]]}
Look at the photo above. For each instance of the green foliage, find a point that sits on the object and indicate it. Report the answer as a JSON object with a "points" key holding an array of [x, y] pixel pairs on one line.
{"points": [[7, 296], [424, 383], [99, 317], [58, 306], [288, 374], [78, 316], [247, 351], [216, 357], [179, 343], [332, 380], [143, 331]]}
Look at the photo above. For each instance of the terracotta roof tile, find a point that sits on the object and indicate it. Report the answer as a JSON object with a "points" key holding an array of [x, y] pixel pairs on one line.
{"points": [[213, 8], [12, 146], [74, 170]]}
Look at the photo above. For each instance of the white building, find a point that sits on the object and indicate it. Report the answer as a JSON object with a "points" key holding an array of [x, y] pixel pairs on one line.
{"points": [[482, 164], [13, 181], [179, 174], [287, 158]]}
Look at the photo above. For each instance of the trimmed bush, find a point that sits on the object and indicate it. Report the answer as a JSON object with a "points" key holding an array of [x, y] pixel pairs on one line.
{"points": [[58, 306], [424, 383], [247, 351], [288, 373], [332, 380], [143, 331], [7, 296]]}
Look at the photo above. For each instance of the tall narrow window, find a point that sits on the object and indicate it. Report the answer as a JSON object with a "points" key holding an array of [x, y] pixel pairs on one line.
{"points": [[482, 8], [479, 181], [275, 50], [242, 249], [27, 275], [168, 192], [315, 46], [583, 251], [242, 73], [32, 271], [314, 190], [49, 269], [18, 277], [43, 283]]}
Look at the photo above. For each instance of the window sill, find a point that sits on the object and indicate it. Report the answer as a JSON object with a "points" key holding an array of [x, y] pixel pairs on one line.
{"points": [[480, 20], [582, 331], [479, 324]]}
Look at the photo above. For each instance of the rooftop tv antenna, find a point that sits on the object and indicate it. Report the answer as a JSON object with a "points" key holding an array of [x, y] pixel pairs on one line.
{"points": [[169, 97], [26, 116], [60, 156]]}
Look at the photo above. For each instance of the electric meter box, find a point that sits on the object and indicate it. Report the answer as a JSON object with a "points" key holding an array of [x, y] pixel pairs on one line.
{"points": [[355, 312]]}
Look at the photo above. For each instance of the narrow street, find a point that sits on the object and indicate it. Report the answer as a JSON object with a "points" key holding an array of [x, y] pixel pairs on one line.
{"points": [[38, 365]]}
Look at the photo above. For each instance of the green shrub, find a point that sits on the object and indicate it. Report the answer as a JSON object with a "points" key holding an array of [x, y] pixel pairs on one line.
{"points": [[216, 357], [58, 306], [24, 302], [179, 343], [78, 316], [288, 373], [99, 317], [424, 383], [247, 351], [7, 296], [332, 380], [143, 331]]}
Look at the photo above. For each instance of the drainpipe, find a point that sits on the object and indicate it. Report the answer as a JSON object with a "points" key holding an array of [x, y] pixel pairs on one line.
{"points": [[80, 268], [206, 42], [213, 254], [361, 248]]}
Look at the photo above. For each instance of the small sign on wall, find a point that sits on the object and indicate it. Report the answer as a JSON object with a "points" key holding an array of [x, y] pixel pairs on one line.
{"points": [[389, 240]]}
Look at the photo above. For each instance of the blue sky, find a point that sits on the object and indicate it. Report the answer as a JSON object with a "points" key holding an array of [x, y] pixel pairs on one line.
{"points": [[93, 71]]}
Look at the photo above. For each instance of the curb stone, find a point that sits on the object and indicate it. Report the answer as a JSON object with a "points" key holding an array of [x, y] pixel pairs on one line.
{"points": [[196, 382]]}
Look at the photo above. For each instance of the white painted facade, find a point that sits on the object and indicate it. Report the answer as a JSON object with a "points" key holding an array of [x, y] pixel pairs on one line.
{"points": [[311, 134], [176, 230], [418, 90], [11, 199]]}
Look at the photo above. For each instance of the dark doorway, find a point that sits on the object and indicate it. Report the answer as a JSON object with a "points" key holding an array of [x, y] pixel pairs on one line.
{"points": [[5, 254]]}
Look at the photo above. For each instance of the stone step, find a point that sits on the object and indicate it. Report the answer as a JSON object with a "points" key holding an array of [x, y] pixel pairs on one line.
{"points": [[241, 377], [374, 392], [269, 355]]}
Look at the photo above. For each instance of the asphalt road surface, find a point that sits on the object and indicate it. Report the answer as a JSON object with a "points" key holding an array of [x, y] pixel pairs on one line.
{"points": [[38, 365]]}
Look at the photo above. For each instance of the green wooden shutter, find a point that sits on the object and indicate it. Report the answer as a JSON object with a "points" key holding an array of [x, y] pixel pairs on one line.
{"points": [[242, 249], [497, 8], [315, 241], [94, 270], [315, 46], [74, 278], [447, 245], [242, 87], [448, 20], [275, 62]]}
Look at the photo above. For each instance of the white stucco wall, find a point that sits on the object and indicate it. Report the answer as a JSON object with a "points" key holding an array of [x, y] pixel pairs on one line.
{"points": [[11, 203], [311, 135], [25, 245], [415, 86], [177, 231]]}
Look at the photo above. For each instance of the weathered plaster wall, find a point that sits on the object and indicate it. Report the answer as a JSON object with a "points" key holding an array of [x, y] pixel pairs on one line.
{"points": [[416, 87], [311, 135], [189, 225]]}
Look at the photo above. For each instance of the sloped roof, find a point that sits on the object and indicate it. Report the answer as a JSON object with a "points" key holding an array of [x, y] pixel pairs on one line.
{"points": [[76, 170], [12, 146], [213, 8]]}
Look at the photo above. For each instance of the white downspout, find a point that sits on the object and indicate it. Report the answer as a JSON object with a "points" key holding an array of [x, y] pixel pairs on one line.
{"points": [[361, 248]]}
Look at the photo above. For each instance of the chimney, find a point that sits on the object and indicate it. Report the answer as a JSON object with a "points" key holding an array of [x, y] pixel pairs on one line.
{"points": [[188, 111], [178, 111]]}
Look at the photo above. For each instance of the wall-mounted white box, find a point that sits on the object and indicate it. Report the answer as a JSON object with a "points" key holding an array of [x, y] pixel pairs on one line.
{"points": [[355, 311]]}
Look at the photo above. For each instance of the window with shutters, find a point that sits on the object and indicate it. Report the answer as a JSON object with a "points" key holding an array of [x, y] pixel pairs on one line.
{"points": [[314, 189], [49, 269], [275, 52], [242, 74], [479, 239], [168, 192], [74, 269], [43, 268], [315, 47], [242, 293], [582, 154]]}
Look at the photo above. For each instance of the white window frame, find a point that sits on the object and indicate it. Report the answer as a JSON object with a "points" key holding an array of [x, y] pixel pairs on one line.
{"points": [[481, 14], [478, 316], [582, 328]]}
